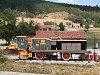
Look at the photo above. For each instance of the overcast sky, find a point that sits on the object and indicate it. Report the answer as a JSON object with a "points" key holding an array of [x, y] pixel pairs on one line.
{"points": [[79, 2]]}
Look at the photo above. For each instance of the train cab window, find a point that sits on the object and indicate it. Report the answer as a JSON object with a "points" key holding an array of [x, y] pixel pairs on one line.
{"points": [[33, 41], [23, 39], [18, 39]]}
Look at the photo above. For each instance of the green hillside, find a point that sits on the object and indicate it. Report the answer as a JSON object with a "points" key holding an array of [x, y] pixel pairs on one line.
{"points": [[41, 6], [31, 8]]}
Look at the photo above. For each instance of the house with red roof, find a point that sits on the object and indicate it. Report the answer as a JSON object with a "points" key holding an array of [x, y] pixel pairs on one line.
{"points": [[76, 25], [45, 27]]}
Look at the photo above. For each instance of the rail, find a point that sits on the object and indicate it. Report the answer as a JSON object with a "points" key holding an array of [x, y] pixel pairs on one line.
{"points": [[62, 51]]}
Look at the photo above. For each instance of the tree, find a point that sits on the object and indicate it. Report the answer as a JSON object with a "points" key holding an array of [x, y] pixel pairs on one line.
{"points": [[87, 27], [68, 23], [89, 21], [36, 28], [28, 29], [49, 23], [32, 28], [76, 19], [62, 27], [22, 28], [7, 27]]}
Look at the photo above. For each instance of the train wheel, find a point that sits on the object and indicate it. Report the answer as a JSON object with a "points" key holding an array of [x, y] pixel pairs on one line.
{"points": [[19, 54], [66, 56], [39, 55], [82, 56]]}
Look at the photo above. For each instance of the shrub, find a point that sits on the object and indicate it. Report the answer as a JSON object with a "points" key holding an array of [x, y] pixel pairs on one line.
{"points": [[3, 59], [3, 52], [49, 23]]}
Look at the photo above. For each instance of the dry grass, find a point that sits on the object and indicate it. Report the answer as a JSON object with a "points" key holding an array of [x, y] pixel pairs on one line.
{"points": [[94, 29], [3, 52], [53, 69], [54, 17], [94, 32], [58, 15], [37, 20]]}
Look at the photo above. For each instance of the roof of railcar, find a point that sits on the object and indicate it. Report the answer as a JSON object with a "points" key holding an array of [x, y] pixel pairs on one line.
{"points": [[61, 34], [21, 36]]}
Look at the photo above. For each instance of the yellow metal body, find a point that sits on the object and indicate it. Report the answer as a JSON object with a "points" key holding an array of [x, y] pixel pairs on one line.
{"points": [[24, 55], [13, 46]]}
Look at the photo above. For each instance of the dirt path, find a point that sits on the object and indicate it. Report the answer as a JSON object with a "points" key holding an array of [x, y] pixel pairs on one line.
{"points": [[18, 73]]}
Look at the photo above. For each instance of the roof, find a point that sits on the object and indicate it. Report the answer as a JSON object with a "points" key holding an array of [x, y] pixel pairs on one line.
{"points": [[76, 24], [45, 26], [21, 36], [61, 34]]}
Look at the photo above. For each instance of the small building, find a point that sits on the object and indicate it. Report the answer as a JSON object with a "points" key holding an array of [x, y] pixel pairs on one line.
{"points": [[91, 26], [84, 26], [45, 27], [2, 41], [76, 25]]}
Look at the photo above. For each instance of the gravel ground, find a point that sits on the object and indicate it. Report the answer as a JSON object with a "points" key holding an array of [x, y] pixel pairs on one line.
{"points": [[59, 62], [18, 73]]}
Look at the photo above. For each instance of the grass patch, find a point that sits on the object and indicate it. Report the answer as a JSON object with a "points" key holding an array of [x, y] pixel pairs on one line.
{"points": [[93, 34], [3, 59], [53, 69], [3, 52]]}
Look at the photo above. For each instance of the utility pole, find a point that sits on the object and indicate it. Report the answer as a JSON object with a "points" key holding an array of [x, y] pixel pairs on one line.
{"points": [[94, 48]]}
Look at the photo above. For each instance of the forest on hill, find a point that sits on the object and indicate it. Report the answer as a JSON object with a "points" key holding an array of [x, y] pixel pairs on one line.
{"points": [[10, 9], [31, 8]]}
